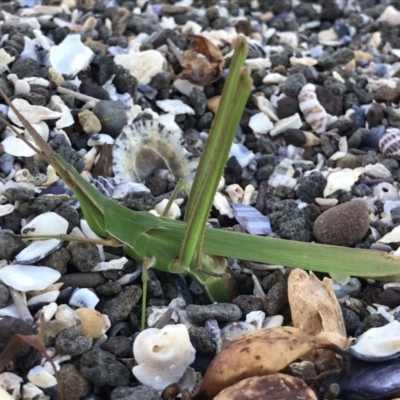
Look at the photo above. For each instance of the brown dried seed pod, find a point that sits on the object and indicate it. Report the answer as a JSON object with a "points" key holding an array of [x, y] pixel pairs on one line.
{"points": [[389, 144]]}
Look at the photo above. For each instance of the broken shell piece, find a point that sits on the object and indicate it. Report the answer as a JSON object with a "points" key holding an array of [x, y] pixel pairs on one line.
{"points": [[12, 383], [341, 180], [235, 193], [71, 55], [266, 107], [28, 277], [311, 140], [260, 123], [17, 147], [314, 113], [46, 224], [143, 66], [66, 119], [92, 322], [222, 205], [283, 175], [84, 298], [378, 344], [40, 377], [174, 211], [251, 219], [391, 237], [174, 107], [163, 355], [5, 59], [38, 250], [31, 392], [144, 141], [377, 171], [232, 331], [34, 114], [292, 122], [116, 264], [389, 144], [6, 209], [274, 78]]}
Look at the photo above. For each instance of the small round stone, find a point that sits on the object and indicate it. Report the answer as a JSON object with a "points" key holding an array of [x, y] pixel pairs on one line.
{"points": [[222, 312], [71, 342], [89, 122], [112, 116], [92, 322], [343, 225], [74, 384]]}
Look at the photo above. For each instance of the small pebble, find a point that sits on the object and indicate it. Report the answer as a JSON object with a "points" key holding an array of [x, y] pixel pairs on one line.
{"points": [[222, 312]]}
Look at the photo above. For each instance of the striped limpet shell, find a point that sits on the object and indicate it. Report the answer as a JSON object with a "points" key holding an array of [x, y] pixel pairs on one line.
{"points": [[389, 144], [144, 147]]}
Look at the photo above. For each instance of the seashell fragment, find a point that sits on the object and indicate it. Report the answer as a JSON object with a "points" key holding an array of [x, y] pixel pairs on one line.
{"points": [[17, 147], [116, 264], [341, 180], [92, 322], [389, 144], [251, 219], [5, 59], [378, 344], [71, 55], [175, 107], [391, 237], [6, 209], [385, 191], [34, 114], [266, 107], [28, 277], [40, 377], [377, 171], [144, 141], [391, 15], [260, 123], [292, 122], [143, 66], [46, 224], [38, 250], [314, 113], [84, 298]]}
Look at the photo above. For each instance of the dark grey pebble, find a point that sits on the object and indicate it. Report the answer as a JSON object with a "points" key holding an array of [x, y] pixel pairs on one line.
{"points": [[293, 84], [328, 145], [201, 341], [343, 225], [268, 281], [161, 81], [10, 246], [60, 145], [71, 342], [351, 320], [311, 187], [119, 307], [374, 115], [359, 117], [390, 298], [124, 82], [141, 392], [198, 101], [139, 201], [295, 137], [395, 214], [287, 107], [332, 103], [372, 321], [102, 368], [32, 98], [341, 29], [82, 280], [27, 67], [276, 298], [362, 190], [84, 256], [19, 194], [393, 117], [6, 163], [43, 204], [57, 260], [90, 88], [222, 312], [112, 116], [248, 303], [4, 295], [120, 346], [371, 140], [108, 289], [153, 285], [10, 326], [357, 137], [68, 212], [339, 57], [74, 384], [102, 68]]}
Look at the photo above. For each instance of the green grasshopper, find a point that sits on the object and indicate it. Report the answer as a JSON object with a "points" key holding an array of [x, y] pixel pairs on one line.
{"points": [[189, 247]]}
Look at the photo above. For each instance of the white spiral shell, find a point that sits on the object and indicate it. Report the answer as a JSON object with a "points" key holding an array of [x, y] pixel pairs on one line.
{"points": [[389, 144]]}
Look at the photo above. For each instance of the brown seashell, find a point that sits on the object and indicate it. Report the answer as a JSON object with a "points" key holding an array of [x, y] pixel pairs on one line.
{"points": [[389, 144]]}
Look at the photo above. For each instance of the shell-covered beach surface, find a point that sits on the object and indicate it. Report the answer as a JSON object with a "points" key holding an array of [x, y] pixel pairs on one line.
{"points": [[126, 92]]}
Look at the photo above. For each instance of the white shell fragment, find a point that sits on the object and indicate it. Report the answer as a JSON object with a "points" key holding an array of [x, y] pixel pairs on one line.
{"points": [[12, 383], [6, 209], [292, 122], [38, 250], [251, 219], [174, 211], [391, 237], [71, 55], [28, 277], [389, 143], [17, 147], [34, 114], [46, 224], [314, 113], [116, 264], [147, 140], [143, 66], [260, 123], [163, 356], [378, 344], [174, 107], [5, 59], [377, 171], [40, 377], [341, 180], [84, 298]]}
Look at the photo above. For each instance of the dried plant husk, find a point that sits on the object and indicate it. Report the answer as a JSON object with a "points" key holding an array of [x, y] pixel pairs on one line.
{"points": [[258, 353], [204, 63]]}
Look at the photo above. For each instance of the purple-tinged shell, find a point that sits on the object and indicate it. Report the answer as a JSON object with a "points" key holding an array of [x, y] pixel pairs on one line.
{"points": [[389, 144], [251, 219], [367, 381]]}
